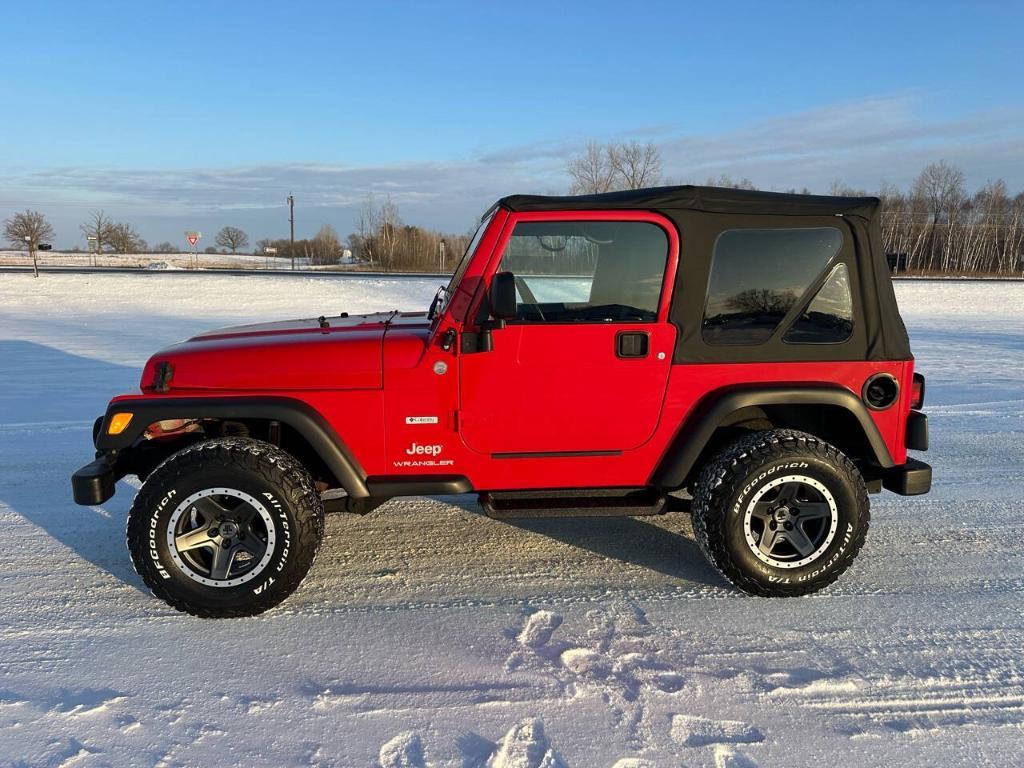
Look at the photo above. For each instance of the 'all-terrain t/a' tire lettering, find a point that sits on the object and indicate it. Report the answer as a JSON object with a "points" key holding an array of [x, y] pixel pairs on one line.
{"points": [[781, 513], [226, 527]]}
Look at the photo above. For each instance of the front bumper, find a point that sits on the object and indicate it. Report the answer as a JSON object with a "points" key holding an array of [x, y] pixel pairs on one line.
{"points": [[94, 483], [910, 479]]}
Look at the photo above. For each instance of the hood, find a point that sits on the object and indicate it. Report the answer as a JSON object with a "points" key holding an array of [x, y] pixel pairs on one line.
{"points": [[344, 353]]}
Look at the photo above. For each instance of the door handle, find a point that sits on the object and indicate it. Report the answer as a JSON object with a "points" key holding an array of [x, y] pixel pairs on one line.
{"points": [[632, 344]]}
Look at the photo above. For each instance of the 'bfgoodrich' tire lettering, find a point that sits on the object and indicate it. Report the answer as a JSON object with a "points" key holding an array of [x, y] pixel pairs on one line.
{"points": [[257, 470], [729, 484]]}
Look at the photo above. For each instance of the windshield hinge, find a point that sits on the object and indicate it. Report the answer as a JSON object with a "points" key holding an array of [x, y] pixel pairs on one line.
{"points": [[448, 339]]}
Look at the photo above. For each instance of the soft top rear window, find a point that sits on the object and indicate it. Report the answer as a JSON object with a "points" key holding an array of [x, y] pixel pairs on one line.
{"points": [[758, 276]]}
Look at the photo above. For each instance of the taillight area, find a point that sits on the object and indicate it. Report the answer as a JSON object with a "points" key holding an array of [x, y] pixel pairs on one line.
{"points": [[917, 392]]}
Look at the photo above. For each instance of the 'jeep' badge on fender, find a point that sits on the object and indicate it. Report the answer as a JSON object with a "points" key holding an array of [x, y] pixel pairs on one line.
{"points": [[424, 450]]}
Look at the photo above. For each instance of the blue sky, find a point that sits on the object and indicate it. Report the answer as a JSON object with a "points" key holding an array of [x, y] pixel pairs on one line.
{"points": [[180, 115]]}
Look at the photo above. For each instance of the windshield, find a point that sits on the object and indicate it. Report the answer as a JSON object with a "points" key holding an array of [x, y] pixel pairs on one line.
{"points": [[445, 292]]}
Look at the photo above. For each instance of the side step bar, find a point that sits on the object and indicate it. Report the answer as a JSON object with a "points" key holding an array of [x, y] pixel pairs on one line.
{"points": [[604, 502]]}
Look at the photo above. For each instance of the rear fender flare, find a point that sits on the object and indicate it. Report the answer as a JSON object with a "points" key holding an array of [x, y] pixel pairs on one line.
{"points": [[301, 417], [698, 429]]}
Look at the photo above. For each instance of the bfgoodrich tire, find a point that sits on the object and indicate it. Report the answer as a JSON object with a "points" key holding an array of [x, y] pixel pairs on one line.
{"points": [[225, 528], [781, 513]]}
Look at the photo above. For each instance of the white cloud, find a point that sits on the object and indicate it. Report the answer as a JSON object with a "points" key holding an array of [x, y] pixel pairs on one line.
{"points": [[862, 143]]}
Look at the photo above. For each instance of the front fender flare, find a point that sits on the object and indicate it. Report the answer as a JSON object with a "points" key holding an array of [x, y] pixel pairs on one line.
{"points": [[695, 433], [300, 416]]}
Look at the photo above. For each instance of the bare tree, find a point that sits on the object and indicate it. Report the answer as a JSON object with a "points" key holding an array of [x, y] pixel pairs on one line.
{"points": [[840, 189], [384, 241], [388, 232], [28, 230], [98, 226], [326, 246], [728, 182], [941, 186], [756, 301], [635, 165], [379, 232], [231, 238], [124, 239], [366, 230], [592, 171], [28, 224]]}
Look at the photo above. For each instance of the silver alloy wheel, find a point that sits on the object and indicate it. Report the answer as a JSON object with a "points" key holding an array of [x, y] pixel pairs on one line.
{"points": [[790, 521], [221, 542]]}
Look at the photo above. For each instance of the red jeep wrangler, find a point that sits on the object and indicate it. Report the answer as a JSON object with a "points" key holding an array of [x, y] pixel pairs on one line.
{"points": [[590, 356]]}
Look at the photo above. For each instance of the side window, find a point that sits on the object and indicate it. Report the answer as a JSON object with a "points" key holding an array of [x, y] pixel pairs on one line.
{"points": [[587, 271], [758, 276], [828, 319]]}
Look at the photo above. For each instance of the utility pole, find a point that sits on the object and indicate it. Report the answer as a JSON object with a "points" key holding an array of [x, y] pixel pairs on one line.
{"points": [[291, 222], [441, 259]]}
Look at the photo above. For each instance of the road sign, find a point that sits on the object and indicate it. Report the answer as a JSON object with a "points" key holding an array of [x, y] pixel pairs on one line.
{"points": [[270, 250], [193, 237]]}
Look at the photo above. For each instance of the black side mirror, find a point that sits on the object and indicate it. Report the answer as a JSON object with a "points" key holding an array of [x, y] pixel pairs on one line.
{"points": [[502, 296]]}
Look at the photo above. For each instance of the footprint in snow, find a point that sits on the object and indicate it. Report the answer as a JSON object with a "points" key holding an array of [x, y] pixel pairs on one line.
{"points": [[693, 731], [256, 705], [526, 746], [728, 757], [587, 663], [88, 701], [539, 627], [403, 751], [619, 657]]}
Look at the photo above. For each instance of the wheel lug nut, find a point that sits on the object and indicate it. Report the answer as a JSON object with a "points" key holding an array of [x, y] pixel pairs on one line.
{"points": [[788, 526]]}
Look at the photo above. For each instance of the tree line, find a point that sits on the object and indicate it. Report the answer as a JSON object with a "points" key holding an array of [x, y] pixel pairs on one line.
{"points": [[382, 241], [936, 226]]}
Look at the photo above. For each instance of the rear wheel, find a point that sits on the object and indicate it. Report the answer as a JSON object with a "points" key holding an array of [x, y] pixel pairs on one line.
{"points": [[225, 528], [781, 513]]}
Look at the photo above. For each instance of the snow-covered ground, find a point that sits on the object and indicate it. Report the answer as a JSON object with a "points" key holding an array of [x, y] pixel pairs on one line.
{"points": [[178, 260], [427, 634]]}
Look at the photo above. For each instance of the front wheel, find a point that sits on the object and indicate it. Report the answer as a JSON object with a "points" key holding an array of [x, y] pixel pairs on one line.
{"points": [[781, 513], [225, 528]]}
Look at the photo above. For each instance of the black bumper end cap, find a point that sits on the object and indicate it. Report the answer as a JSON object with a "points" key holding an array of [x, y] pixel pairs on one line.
{"points": [[910, 479], [94, 483], [917, 431]]}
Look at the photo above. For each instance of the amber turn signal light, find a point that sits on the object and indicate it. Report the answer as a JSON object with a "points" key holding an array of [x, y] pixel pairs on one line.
{"points": [[118, 423]]}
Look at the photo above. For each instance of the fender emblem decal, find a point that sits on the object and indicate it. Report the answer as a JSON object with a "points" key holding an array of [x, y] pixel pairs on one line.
{"points": [[421, 419]]}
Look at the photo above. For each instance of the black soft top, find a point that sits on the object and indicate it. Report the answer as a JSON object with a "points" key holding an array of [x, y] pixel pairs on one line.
{"points": [[702, 213], [708, 199]]}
